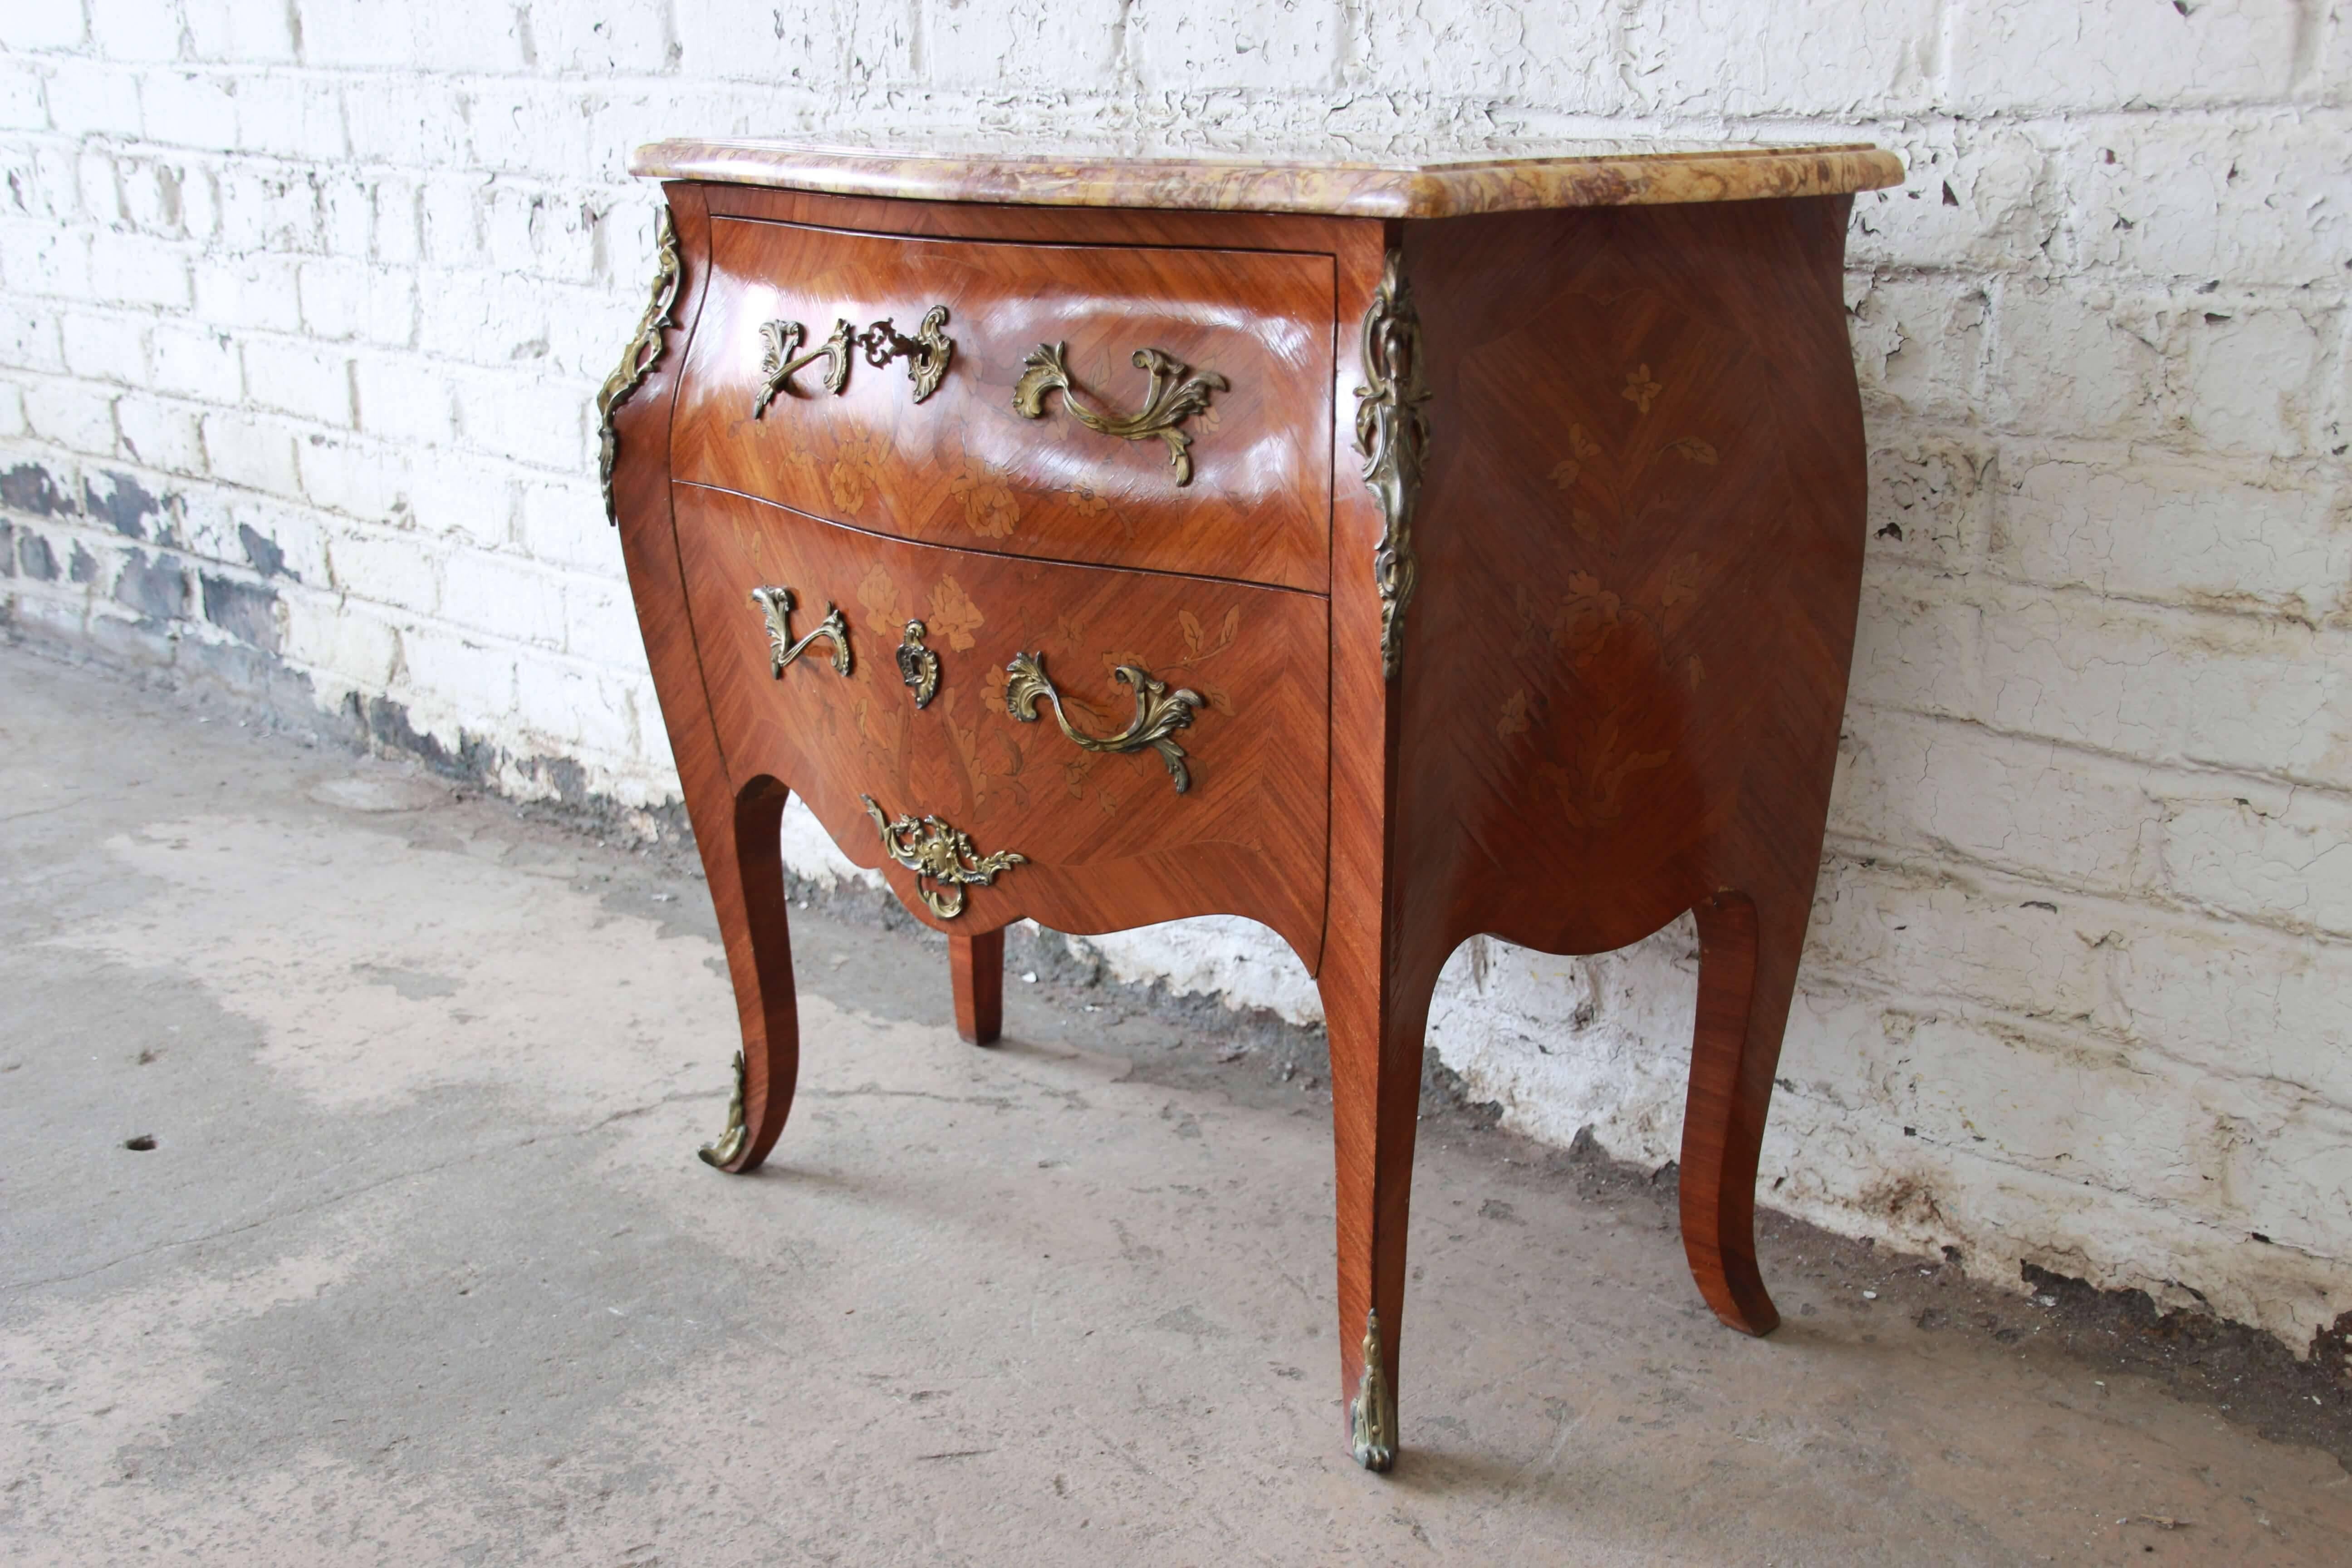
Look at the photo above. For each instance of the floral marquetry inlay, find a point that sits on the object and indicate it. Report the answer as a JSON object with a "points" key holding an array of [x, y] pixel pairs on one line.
{"points": [[990, 507], [1610, 652], [954, 618]]}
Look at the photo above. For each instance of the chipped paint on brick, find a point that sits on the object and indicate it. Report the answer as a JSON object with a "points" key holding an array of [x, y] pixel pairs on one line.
{"points": [[262, 553], [154, 586], [247, 611], [39, 563]]}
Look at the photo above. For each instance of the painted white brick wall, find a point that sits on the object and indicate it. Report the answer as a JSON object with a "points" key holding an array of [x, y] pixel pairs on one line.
{"points": [[301, 305]]}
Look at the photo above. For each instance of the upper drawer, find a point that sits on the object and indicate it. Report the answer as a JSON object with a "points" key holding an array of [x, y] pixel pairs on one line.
{"points": [[964, 465]]}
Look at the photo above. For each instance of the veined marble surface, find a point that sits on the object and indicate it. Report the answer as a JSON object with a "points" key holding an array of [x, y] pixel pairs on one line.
{"points": [[1589, 173]]}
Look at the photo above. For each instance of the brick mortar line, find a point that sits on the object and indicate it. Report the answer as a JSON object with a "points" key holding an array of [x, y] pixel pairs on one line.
{"points": [[2053, 1035], [1889, 572], [1121, 92], [2334, 790], [2164, 902], [287, 585], [299, 426], [1919, 127], [2152, 913]]}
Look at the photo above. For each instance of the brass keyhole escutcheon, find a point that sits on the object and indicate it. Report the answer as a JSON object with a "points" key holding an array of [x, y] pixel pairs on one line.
{"points": [[918, 667]]}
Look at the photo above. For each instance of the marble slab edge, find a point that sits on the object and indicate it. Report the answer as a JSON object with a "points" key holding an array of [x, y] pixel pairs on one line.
{"points": [[1346, 190]]}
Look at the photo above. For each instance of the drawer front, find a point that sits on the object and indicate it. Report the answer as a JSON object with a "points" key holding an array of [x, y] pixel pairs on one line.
{"points": [[1226, 472], [1228, 694]]}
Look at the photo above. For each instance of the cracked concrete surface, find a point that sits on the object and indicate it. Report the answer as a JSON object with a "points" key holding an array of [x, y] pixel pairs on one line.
{"points": [[422, 1267]]}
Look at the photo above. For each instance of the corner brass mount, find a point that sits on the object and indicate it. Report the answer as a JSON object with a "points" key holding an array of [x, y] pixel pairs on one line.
{"points": [[1393, 434], [637, 360]]}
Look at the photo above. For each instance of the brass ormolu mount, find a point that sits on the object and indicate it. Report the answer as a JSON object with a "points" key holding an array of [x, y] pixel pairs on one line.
{"points": [[730, 1144], [1159, 712], [637, 360], [918, 667], [926, 354], [1371, 1415], [1393, 434], [940, 857]]}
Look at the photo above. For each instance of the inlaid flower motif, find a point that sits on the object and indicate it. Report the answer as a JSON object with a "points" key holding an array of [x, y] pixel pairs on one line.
{"points": [[989, 505], [1197, 643], [1582, 449], [880, 594], [857, 467], [954, 618], [1682, 582], [1638, 388], [1585, 611], [1513, 720], [1086, 502]]}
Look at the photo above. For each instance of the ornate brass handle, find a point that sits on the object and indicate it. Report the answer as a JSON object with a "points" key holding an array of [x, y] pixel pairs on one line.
{"points": [[1159, 712], [776, 605], [939, 856], [926, 354], [1174, 395]]}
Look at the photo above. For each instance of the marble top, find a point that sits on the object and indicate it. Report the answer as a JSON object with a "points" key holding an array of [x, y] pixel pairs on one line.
{"points": [[1589, 173]]}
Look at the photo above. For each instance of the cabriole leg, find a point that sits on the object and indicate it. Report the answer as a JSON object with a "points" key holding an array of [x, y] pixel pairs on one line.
{"points": [[742, 861], [1747, 976]]}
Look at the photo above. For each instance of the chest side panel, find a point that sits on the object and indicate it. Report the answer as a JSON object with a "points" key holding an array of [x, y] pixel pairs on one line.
{"points": [[1640, 560]]}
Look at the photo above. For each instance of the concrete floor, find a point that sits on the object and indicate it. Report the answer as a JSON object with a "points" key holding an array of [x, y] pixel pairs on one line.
{"points": [[422, 1267]]}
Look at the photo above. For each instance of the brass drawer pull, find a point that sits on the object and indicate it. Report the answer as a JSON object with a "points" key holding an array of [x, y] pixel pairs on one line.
{"points": [[939, 856], [1159, 712], [918, 667], [1175, 394], [776, 606], [926, 354]]}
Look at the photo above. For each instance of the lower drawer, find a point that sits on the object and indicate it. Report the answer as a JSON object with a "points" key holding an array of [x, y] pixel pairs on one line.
{"points": [[1226, 692]]}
